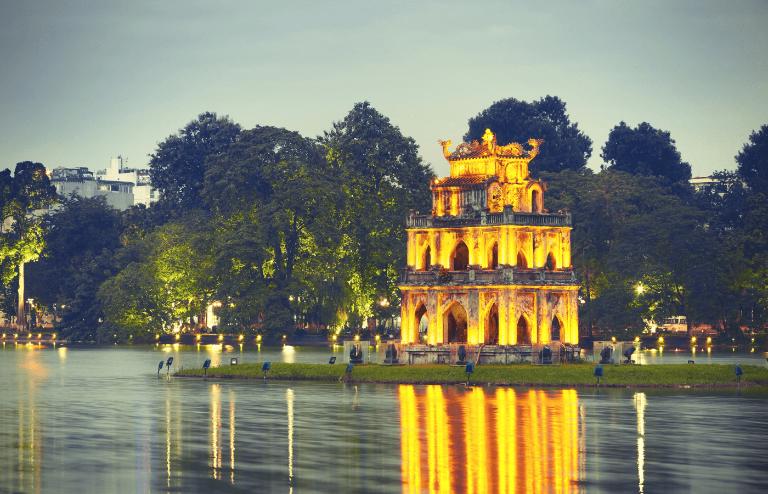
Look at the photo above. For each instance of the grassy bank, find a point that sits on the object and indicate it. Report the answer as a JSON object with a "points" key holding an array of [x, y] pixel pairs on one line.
{"points": [[565, 375]]}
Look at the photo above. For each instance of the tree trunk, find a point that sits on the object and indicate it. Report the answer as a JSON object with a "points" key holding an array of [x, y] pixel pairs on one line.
{"points": [[21, 320]]}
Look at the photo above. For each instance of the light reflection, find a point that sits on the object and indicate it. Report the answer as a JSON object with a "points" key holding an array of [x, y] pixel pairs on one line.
{"points": [[289, 354], [215, 413], [478, 440], [289, 403], [640, 404]]}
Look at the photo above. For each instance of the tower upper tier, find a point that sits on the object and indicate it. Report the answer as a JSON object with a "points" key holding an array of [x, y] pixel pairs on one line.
{"points": [[487, 176]]}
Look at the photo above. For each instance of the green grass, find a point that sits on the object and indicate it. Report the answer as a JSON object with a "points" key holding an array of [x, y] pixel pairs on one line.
{"points": [[523, 374]]}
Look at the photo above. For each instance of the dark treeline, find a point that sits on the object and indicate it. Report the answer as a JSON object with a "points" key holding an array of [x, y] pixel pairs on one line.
{"points": [[280, 231]]}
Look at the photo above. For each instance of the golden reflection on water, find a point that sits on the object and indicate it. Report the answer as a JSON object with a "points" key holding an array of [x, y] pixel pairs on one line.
{"points": [[217, 444], [478, 440]]}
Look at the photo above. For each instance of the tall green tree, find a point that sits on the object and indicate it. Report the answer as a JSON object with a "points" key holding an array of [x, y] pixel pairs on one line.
{"points": [[645, 150], [177, 167], [277, 207], [166, 280], [383, 177], [81, 239], [512, 120], [21, 233], [752, 161]]}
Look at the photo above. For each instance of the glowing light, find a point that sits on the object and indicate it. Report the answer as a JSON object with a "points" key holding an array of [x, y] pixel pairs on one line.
{"points": [[384, 302], [15, 335], [378, 337], [3, 335], [613, 339], [661, 340], [177, 336], [693, 340], [221, 337], [198, 337], [357, 337], [637, 339], [258, 337], [709, 340], [240, 338], [334, 337], [639, 288], [53, 336], [40, 335], [157, 336]]}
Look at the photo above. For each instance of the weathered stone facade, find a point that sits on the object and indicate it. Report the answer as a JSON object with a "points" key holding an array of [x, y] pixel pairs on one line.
{"points": [[489, 265]]}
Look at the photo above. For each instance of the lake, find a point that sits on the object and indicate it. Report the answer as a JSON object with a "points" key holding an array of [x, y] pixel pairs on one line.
{"points": [[101, 420]]}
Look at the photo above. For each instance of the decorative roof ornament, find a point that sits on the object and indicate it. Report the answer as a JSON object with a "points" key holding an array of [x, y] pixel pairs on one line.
{"points": [[489, 147]]}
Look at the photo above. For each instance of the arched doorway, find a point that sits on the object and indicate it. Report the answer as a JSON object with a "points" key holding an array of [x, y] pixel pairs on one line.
{"points": [[492, 325], [456, 323], [535, 201], [551, 264], [421, 321], [460, 258], [522, 262], [427, 258], [523, 332], [493, 256], [556, 329]]}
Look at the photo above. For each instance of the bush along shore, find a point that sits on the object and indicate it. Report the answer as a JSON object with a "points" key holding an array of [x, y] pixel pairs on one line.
{"points": [[583, 374]]}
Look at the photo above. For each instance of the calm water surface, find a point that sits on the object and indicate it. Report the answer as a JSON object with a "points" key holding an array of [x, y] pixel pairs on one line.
{"points": [[100, 420]]}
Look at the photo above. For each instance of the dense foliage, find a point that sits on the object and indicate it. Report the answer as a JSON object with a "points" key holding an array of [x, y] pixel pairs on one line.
{"points": [[280, 231]]}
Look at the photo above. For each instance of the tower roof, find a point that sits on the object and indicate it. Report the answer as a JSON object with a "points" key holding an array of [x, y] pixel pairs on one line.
{"points": [[487, 148]]}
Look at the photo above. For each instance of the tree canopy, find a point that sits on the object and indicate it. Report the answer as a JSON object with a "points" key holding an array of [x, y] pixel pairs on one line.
{"points": [[177, 167], [644, 150], [752, 161], [512, 120]]}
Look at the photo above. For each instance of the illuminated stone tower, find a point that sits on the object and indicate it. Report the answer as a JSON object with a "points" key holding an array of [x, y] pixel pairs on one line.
{"points": [[489, 265]]}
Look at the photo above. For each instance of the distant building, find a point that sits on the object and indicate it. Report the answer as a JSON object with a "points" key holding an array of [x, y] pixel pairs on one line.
{"points": [[81, 182], [143, 193], [121, 187], [711, 184]]}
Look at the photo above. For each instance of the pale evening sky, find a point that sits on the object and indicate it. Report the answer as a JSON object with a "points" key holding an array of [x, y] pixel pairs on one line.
{"points": [[81, 81]]}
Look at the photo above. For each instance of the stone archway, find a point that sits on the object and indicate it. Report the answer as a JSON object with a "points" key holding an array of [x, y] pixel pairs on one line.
{"points": [[493, 256], [420, 317], [460, 257], [426, 259], [551, 264], [455, 323], [557, 329], [492, 325], [523, 331]]}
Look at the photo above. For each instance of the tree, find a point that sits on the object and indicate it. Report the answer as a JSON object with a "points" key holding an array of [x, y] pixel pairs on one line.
{"points": [[277, 210], [177, 167], [81, 239], [512, 120], [383, 178], [21, 233], [752, 161], [647, 151], [166, 280]]}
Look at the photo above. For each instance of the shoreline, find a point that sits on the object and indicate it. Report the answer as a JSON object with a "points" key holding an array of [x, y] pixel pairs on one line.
{"points": [[661, 376]]}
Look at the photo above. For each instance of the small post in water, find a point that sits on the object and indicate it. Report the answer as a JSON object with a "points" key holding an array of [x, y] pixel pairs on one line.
{"points": [[265, 367], [168, 364], [206, 365], [469, 369], [598, 373], [160, 367], [739, 372]]}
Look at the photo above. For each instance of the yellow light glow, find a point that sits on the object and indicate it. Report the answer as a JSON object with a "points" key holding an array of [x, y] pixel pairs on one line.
{"points": [[357, 337], [15, 335], [378, 338], [613, 339], [3, 335], [240, 338], [198, 337], [709, 340], [334, 337], [258, 337], [639, 288], [661, 340], [221, 337], [693, 340], [53, 336], [637, 339], [157, 336], [177, 336], [40, 335]]}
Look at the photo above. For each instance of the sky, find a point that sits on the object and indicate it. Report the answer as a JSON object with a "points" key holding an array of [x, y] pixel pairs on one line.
{"points": [[82, 81]]}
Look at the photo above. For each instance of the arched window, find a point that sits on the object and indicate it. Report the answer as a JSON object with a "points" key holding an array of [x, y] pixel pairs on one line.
{"points": [[456, 323], [551, 264], [460, 258], [492, 326], [523, 332], [422, 322], [535, 201], [427, 259], [555, 329], [522, 263], [493, 256]]}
